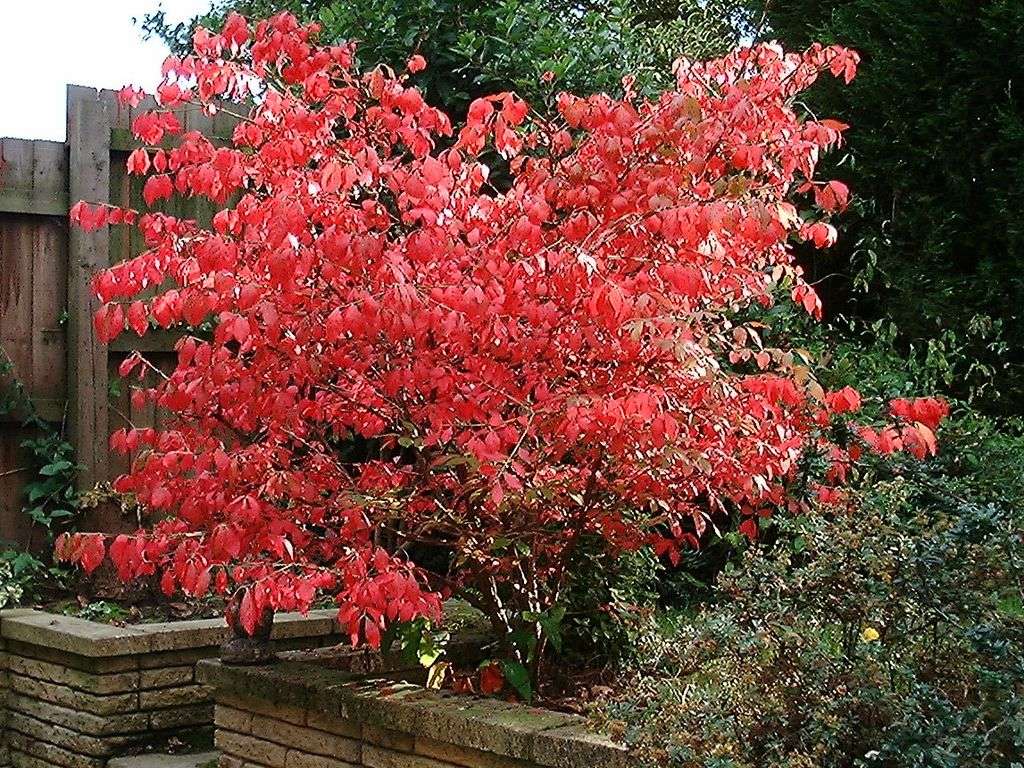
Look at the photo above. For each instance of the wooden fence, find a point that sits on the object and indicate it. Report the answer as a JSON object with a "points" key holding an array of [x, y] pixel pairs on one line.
{"points": [[46, 306]]}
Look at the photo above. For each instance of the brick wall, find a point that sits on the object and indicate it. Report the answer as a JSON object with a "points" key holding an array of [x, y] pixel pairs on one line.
{"points": [[5, 758], [75, 693], [302, 713]]}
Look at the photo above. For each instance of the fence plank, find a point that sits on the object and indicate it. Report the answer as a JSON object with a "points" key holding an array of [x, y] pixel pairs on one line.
{"points": [[14, 462], [22, 189], [33, 201], [49, 302], [16, 294], [16, 164], [89, 170], [50, 168]]}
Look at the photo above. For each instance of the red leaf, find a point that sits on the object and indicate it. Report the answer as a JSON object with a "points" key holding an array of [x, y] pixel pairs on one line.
{"points": [[130, 96], [195, 308], [240, 329], [108, 322], [248, 614], [138, 162], [91, 550], [492, 680], [157, 188], [372, 633], [236, 30], [138, 318], [332, 177], [167, 583]]}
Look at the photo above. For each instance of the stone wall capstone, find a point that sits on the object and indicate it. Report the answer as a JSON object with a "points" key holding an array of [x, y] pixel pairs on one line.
{"points": [[301, 713]]}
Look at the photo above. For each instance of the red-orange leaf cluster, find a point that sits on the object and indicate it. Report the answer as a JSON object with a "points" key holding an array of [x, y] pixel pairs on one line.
{"points": [[404, 355]]}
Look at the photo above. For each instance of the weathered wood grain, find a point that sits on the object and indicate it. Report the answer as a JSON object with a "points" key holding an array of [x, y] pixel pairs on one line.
{"points": [[46, 305], [89, 120]]}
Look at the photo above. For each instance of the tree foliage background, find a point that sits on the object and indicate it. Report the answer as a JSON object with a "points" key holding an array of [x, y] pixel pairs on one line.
{"points": [[935, 241], [478, 48]]}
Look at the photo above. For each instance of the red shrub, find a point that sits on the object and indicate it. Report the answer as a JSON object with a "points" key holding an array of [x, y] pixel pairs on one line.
{"points": [[521, 368]]}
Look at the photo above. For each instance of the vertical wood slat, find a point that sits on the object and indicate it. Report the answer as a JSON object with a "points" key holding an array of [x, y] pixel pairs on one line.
{"points": [[89, 121], [13, 457], [17, 164], [33, 177], [15, 263], [49, 302], [49, 277], [16, 295], [49, 280]]}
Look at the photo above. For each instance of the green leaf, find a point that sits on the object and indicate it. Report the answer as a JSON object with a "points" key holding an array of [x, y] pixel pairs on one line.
{"points": [[519, 678], [551, 623], [431, 646], [38, 515], [1011, 606], [36, 491], [429, 655], [24, 562], [52, 469], [523, 641]]}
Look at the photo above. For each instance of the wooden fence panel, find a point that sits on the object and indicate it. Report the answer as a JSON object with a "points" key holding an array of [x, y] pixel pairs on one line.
{"points": [[46, 305], [33, 300]]}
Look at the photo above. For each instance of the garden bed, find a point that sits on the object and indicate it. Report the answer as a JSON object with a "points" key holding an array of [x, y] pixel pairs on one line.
{"points": [[74, 693], [319, 710]]}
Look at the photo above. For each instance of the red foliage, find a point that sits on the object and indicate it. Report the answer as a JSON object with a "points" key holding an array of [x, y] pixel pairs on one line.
{"points": [[492, 680], [520, 368]]}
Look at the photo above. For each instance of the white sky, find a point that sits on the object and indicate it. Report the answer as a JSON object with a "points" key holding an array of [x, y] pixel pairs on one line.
{"points": [[45, 44]]}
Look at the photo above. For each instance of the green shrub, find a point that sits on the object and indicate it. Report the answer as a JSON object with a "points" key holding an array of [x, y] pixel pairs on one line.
{"points": [[886, 636], [933, 239], [607, 603], [10, 588], [480, 48]]}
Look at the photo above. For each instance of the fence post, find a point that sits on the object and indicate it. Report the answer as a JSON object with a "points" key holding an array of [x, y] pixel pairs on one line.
{"points": [[88, 179]]}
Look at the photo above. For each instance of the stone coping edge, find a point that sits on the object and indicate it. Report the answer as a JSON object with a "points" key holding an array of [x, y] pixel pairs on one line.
{"points": [[95, 640], [518, 731]]}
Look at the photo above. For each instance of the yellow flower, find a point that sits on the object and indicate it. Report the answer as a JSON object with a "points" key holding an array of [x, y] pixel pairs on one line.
{"points": [[869, 634]]}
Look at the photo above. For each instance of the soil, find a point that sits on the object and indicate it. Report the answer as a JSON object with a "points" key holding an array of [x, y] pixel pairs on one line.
{"points": [[123, 613], [566, 688], [104, 598], [578, 691]]}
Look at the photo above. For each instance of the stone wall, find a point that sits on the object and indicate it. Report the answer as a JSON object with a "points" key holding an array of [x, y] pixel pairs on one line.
{"points": [[74, 693], [301, 714]]}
